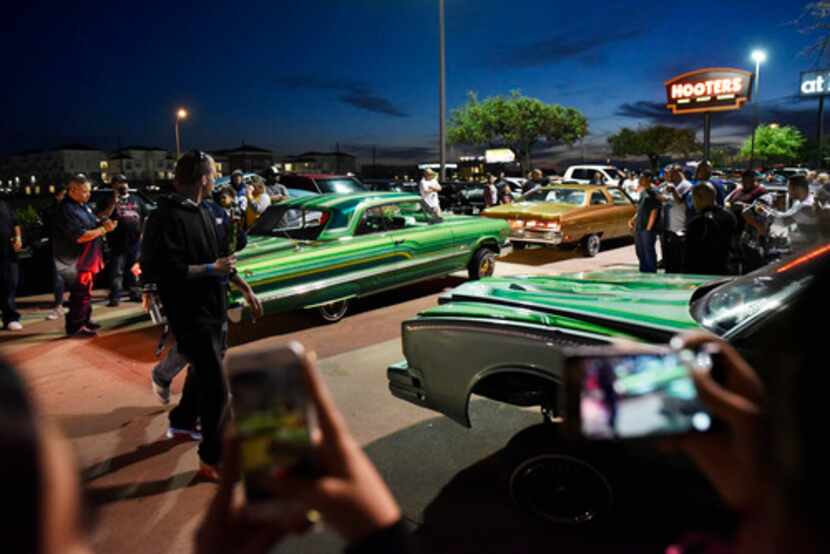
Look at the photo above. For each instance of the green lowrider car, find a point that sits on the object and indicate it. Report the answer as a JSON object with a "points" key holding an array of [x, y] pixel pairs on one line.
{"points": [[323, 251], [503, 338]]}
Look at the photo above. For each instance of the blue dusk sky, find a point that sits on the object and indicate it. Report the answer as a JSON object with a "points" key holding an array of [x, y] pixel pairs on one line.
{"points": [[296, 76]]}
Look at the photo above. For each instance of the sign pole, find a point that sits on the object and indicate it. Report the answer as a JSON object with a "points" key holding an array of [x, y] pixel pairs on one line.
{"points": [[707, 135], [820, 155]]}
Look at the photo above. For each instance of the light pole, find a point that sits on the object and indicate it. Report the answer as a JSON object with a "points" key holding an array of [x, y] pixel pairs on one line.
{"points": [[442, 94], [181, 115], [759, 57]]}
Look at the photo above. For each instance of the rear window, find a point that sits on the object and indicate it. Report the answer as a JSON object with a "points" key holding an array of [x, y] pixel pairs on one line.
{"points": [[292, 223], [296, 182]]}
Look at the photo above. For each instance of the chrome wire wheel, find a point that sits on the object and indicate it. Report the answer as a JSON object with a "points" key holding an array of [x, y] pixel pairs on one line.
{"points": [[591, 245], [487, 265], [335, 311]]}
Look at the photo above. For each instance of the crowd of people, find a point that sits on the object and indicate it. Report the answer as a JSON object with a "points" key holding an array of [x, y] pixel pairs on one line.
{"points": [[703, 229], [104, 237]]}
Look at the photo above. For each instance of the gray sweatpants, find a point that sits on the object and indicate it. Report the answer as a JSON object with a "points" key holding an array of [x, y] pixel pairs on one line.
{"points": [[166, 370]]}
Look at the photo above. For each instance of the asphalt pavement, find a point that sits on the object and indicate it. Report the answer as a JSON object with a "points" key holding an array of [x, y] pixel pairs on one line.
{"points": [[451, 481]]}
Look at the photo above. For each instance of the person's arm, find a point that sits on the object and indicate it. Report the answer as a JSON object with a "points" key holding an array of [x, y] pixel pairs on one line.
{"points": [[786, 214], [652, 219], [250, 296], [98, 232], [17, 241], [220, 268]]}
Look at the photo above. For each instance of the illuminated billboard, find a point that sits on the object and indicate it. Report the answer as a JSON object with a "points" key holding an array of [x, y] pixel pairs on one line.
{"points": [[815, 83], [715, 89]]}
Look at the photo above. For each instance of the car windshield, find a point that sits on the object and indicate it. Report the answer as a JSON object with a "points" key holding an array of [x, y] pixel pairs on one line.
{"points": [[614, 174], [340, 185], [291, 222], [558, 196], [735, 304]]}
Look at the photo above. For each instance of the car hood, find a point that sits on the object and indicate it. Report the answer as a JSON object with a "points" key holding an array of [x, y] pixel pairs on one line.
{"points": [[524, 210], [619, 302]]}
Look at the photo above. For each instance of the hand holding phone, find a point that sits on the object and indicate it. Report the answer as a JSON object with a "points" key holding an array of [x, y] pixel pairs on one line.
{"points": [[617, 394]]}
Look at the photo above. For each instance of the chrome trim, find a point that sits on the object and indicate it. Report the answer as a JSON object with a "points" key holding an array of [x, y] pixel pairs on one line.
{"points": [[307, 288], [499, 326], [554, 241]]}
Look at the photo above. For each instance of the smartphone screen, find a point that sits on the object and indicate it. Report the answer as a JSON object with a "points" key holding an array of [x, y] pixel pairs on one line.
{"points": [[640, 395], [274, 416]]}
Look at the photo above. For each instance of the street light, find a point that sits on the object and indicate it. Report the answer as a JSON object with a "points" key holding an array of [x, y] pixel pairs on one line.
{"points": [[181, 115], [759, 57]]}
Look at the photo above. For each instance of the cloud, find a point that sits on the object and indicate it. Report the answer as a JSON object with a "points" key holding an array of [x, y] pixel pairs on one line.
{"points": [[353, 93], [784, 111], [371, 103], [564, 46]]}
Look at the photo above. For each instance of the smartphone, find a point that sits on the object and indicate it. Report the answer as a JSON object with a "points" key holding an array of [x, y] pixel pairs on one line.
{"points": [[275, 417], [614, 395]]}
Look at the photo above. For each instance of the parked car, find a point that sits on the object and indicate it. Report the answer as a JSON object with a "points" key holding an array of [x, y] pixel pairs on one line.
{"points": [[585, 174], [323, 251], [391, 185], [322, 183], [567, 214], [248, 179], [503, 338]]}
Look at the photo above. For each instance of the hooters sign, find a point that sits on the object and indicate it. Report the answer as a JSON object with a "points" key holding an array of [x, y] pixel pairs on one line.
{"points": [[715, 89]]}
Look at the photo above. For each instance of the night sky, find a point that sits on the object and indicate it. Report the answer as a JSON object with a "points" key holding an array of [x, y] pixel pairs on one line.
{"points": [[296, 76]]}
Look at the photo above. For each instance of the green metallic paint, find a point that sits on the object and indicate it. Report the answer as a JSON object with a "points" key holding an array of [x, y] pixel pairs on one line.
{"points": [[657, 301], [290, 274], [518, 326]]}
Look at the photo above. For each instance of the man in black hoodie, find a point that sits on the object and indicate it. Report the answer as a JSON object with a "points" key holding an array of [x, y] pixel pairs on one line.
{"points": [[180, 253]]}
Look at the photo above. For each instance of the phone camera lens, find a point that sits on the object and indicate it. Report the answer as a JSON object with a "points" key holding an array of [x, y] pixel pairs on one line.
{"points": [[703, 360]]}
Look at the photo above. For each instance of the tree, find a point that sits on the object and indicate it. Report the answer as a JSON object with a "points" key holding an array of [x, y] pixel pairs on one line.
{"points": [[775, 144], [723, 156], [815, 20], [653, 142], [517, 122]]}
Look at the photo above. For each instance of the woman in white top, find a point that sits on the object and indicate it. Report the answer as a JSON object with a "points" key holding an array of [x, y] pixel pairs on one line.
{"points": [[630, 185], [429, 191], [258, 201]]}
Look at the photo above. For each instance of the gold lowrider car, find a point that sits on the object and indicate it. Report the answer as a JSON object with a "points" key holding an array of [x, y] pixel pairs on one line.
{"points": [[567, 214]]}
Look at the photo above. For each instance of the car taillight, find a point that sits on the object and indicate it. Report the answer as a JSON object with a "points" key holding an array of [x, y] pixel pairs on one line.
{"points": [[516, 224]]}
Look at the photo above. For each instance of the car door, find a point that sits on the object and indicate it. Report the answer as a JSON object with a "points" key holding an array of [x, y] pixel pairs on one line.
{"points": [[374, 255], [600, 220], [624, 210], [427, 245]]}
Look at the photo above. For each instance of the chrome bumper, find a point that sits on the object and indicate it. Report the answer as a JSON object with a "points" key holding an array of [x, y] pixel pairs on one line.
{"points": [[404, 386], [506, 248], [537, 237]]}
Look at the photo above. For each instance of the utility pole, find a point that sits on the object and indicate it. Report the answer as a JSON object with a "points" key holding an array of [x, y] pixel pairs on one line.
{"points": [[442, 91]]}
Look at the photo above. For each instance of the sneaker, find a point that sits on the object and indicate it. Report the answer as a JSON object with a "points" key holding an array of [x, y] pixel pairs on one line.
{"points": [[161, 392], [55, 314], [113, 303], [94, 325], [14, 326], [175, 433], [84, 333], [208, 472]]}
